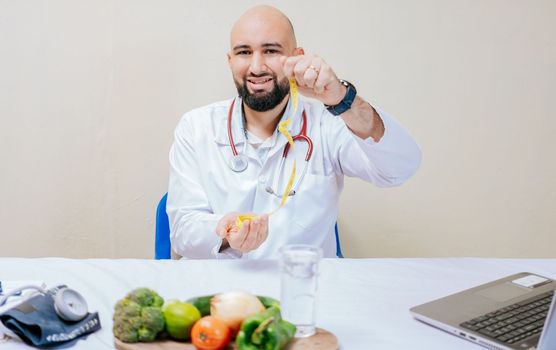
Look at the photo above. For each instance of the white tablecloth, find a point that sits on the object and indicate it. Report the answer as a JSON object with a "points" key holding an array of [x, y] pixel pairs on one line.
{"points": [[365, 302]]}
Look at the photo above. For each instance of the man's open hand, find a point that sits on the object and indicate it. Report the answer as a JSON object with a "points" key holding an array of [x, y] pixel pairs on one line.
{"points": [[251, 235]]}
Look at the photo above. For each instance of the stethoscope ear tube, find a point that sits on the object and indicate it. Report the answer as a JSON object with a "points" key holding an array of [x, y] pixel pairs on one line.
{"points": [[18, 291]]}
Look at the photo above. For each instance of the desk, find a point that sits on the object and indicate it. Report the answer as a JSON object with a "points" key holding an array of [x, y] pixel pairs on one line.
{"points": [[365, 302]]}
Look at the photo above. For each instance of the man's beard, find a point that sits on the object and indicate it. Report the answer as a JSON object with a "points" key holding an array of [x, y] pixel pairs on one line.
{"points": [[263, 101]]}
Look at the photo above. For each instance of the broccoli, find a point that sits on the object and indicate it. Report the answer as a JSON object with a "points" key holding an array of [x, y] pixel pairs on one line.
{"points": [[138, 317]]}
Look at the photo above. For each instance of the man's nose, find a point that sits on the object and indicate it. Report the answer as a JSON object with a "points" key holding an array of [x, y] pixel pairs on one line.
{"points": [[258, 64]]}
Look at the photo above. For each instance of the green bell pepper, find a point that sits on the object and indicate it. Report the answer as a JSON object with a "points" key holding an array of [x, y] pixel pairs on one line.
{"points": [[265, 331]]}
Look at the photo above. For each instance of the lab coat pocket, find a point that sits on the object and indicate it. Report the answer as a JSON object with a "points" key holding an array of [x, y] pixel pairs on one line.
{"points": [[316, 201]]}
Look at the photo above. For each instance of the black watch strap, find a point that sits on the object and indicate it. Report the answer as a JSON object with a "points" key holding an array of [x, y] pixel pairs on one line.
{"points": [[346, 102]]}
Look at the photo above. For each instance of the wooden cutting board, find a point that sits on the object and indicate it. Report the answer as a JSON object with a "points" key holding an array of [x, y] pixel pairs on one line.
{"points": [[322, 340]]}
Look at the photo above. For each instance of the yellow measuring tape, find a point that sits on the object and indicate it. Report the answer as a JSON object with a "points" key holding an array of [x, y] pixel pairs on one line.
{"points": [[282, 128]]}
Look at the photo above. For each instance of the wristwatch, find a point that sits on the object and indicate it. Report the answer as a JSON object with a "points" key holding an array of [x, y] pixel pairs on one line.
{"points": [[346, 102]]}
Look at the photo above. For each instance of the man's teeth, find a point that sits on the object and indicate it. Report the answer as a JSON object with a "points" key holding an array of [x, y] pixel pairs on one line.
{"points": [[260, 81]]}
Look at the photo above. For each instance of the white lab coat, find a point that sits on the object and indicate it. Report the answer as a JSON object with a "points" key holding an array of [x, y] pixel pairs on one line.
{"points": [[203, 188]]}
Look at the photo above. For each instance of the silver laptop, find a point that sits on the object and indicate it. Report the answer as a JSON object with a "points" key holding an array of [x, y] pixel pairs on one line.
{"points": [[511, 313]]}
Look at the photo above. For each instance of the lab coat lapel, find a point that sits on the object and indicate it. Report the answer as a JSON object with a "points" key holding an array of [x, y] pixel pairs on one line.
{"points": [[221, 131], [221, 128]]}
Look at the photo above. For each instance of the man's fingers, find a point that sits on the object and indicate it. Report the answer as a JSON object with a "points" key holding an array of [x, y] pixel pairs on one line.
{"points": [[255, 225], [324, 78], [251, 239], [299, 70], [224, 225], [310, 77], [313, 71], [220, 231], [240, 237], [289, 64], [251, 235], [263, 232], [236, 237]]}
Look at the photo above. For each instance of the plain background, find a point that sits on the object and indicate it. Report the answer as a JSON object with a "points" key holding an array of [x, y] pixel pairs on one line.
{"points": [[91, 91]]}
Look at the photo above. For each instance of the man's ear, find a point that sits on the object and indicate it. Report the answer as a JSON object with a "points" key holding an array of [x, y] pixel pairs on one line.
{"points": [[299, 51], [229, 57]]}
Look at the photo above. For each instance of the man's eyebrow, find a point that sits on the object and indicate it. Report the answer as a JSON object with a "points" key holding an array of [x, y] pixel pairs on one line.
{"points": [[265, 45], [272, 45], [241, 47]]}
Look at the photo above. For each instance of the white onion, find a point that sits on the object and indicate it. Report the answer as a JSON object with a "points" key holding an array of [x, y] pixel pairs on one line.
{"points": [[234, 307]]}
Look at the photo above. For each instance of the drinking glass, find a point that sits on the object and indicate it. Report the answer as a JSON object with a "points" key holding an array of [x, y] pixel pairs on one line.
{"points": [[299, 272]]}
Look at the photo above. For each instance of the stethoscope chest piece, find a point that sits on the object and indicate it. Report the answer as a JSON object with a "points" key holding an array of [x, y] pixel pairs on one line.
{"points": [[238, 162]]}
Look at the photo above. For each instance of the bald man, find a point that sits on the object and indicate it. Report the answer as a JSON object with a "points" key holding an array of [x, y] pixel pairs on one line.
{"points": [[228, 158]]}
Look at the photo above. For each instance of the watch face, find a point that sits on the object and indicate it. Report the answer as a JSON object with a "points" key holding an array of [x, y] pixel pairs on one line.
{"points": [[348, 85], [346, 102]]}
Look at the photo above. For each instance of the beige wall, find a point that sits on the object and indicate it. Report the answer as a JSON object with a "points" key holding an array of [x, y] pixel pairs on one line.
{"points": [[90, 92]]}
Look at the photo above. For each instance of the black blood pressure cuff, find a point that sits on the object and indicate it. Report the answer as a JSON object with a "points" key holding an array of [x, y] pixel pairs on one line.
{"points": [[36, 322]]}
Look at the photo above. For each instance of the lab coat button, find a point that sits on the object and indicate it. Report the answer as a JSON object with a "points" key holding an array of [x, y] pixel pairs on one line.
{"points": [[262, 179]]}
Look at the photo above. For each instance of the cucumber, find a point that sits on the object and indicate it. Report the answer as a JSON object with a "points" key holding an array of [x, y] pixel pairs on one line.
{"points": [[202, 303]]}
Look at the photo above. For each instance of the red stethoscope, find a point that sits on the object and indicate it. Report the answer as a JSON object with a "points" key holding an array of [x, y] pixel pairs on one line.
{"points": [[238, 162]]}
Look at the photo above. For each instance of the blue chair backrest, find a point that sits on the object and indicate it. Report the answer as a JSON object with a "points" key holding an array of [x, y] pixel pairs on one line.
{"points": [[162, 249]]}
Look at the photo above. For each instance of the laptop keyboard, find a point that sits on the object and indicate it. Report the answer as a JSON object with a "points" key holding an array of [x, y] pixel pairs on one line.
{"points": [[514, 322]]}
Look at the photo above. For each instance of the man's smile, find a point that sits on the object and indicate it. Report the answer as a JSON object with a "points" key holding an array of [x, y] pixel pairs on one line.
{"points": [[260, 83]]}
